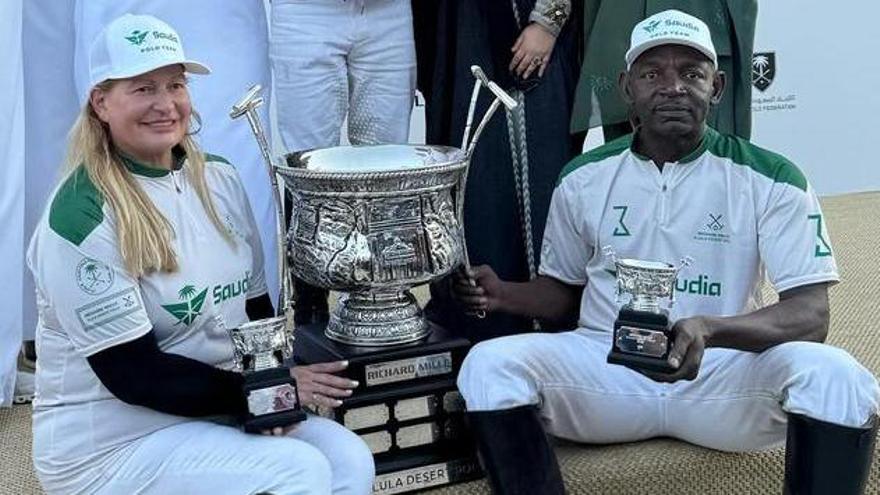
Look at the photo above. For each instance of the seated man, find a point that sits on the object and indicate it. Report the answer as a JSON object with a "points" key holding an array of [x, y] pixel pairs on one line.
{"points": [[746, 377]]}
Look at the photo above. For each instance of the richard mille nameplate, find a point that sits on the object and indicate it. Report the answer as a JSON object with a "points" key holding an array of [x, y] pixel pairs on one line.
{"points": [[438, 474], [408, 369]]}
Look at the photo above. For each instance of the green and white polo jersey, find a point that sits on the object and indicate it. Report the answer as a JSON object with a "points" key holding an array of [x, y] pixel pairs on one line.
{"points": [[88, 302], [742, 213]]}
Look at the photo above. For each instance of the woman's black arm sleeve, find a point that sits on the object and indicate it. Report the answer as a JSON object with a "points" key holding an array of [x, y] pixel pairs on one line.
{"points": [[259, 307], [139, 373]]}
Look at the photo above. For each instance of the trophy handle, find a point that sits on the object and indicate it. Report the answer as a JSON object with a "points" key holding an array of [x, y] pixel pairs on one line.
{"points": [[608, 251], [685, 261], [247, 107]]}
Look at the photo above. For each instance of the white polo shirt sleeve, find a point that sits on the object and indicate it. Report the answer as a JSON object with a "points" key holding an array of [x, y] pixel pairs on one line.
{"points": [[566, 246], [792, 237], [80, 275]]}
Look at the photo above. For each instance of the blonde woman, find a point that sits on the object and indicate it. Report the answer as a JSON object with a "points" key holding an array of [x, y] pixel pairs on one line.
{"points": [[145, 257]]}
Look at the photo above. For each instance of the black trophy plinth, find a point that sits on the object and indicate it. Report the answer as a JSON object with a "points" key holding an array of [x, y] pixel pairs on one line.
{"points": [[642, 341], [406, 407], [272, 400]]}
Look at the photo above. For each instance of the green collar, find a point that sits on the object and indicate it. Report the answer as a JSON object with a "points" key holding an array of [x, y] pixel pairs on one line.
{"points": [[709, 137], [151, 170]]}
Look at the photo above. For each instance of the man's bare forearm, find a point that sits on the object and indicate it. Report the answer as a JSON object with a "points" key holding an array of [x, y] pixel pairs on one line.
{"points": [[800, 315], [543, 298]]}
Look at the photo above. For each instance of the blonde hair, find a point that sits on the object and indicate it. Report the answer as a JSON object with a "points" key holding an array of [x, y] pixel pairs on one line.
{"points": [[144, 235]]}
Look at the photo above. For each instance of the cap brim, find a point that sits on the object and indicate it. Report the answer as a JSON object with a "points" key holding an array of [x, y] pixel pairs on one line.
{"points": [[194, 67], [190, 66], [634, 53]]}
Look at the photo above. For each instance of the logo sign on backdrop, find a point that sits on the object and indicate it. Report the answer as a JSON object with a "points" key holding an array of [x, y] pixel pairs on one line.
{"points": [[763, 70], [777, 98]]}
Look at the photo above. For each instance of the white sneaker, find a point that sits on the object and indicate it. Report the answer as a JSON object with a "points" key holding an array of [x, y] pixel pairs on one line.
{"points": [[24, 388]]}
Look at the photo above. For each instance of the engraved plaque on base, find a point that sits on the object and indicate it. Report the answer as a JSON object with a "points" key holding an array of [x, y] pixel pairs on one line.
{"points": [[426, 475], [436, 358], [407, 408]]}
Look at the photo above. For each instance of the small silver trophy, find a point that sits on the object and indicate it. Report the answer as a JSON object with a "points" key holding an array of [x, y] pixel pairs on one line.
{"points": [[261, 347], [642, 332]]}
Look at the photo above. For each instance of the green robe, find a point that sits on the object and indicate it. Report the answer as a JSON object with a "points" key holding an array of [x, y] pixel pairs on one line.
{"points": [[607, 28]]}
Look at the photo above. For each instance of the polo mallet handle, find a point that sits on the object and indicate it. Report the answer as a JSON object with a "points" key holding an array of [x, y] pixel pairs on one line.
{"points": [[468, 145], [247, 107]]}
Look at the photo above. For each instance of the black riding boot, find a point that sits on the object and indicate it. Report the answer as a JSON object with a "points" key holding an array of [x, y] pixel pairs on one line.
{"points": [[827, 459], [515, 452]]}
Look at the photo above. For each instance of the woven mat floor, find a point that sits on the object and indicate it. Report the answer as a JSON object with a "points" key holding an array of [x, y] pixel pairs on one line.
{"points": [[659, 466]]}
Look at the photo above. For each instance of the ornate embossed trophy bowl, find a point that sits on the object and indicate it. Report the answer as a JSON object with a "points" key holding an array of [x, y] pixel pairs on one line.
{"points": [[374, 221], [646, 281], [261, 344]]}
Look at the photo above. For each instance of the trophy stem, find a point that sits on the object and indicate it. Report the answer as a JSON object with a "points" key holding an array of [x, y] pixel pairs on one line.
{"points": [[265, 360], [645, 302], [377, 319]]}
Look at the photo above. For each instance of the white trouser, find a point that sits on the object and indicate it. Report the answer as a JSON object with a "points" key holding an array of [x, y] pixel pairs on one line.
{"points": [[332, 57], [738, 402], [319, 457], [12, 197]]}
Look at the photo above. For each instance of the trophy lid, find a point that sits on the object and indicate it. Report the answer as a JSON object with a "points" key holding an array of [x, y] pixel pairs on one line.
{"points": [[374, 158]]}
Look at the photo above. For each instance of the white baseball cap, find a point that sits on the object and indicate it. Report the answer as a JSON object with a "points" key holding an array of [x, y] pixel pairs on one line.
{"points": [[670, 27], [136, 44]]}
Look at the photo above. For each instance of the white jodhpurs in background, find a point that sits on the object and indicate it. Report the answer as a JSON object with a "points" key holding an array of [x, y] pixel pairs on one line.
{"points": [[738, 402], [335, 57], [319, 457]]}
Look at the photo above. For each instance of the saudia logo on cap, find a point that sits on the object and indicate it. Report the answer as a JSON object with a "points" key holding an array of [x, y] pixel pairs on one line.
{"points": [[670, 24], [137, 37], [681, 24], [652, 26]]}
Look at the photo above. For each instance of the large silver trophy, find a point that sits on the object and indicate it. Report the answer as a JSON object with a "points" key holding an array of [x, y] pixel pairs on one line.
{"points": [[373, 222], [642, 333]]}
